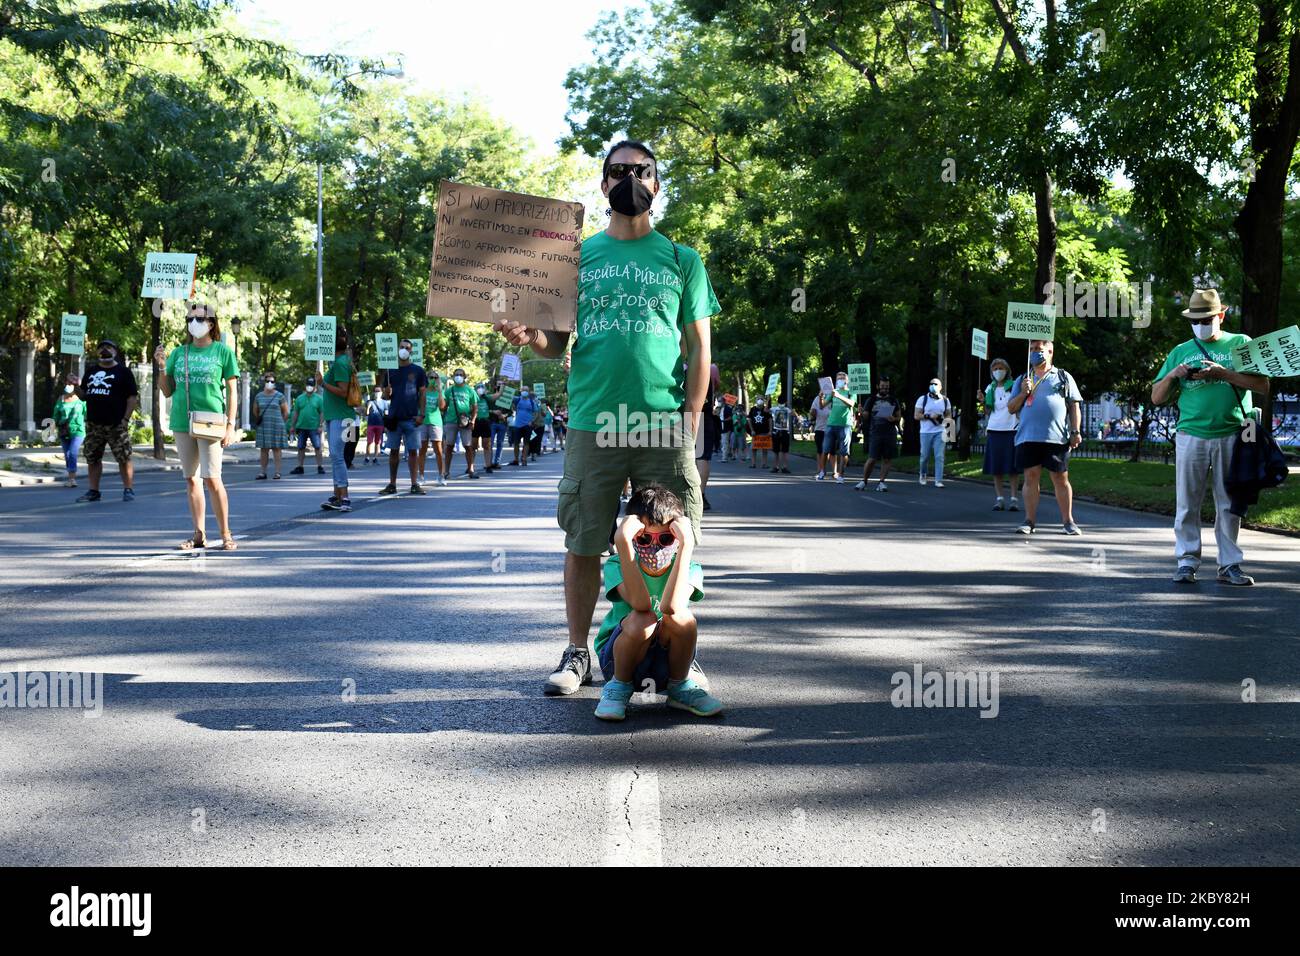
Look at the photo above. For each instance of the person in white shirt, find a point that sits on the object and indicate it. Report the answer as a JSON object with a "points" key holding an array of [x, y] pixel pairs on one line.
{"points": [[1000, 434], [934, 412]]}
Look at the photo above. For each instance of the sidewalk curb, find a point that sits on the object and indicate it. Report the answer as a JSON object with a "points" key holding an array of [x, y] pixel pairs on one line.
{"points": [[1088, 499]]}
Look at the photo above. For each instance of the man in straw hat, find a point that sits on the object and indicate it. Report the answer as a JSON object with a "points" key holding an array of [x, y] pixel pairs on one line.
{"points": [[1212, 400]]}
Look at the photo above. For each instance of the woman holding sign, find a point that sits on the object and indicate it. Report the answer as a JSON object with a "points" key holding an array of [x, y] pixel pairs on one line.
{"points": [[199, 377]]}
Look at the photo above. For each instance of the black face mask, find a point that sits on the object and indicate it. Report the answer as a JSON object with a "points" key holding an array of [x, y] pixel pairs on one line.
{"points": [[630, 197], [106, 356]]}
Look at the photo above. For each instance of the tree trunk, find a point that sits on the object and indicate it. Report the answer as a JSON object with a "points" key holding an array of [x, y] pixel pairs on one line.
{"points": [[920, 369], [1045, 250], [1274, 126]]}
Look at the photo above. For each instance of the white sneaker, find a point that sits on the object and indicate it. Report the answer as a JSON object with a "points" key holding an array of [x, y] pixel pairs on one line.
{"points": [[821, 475], [860, 486], [442, 481], [839, 479], [880, 486], [921, 478], [938, 484]]}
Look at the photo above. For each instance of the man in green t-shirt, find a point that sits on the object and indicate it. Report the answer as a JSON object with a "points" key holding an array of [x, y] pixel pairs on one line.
{"points": [[842, 403], [459, 419], [1212, 401], [637, 383], [340, 420], [304, 420]]}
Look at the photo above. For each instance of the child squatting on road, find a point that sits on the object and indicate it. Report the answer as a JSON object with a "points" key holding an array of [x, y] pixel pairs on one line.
{"points": [[650, 632]]}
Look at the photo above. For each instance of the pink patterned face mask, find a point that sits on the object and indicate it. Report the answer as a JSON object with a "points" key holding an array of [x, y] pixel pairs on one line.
{"points": [[654, 558]]}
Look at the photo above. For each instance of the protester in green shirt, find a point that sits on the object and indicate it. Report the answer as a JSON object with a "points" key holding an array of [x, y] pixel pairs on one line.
{"points": [[1212, 399], [340, 420], [200, 376], [304, 420], [459, 418], [644, 304], [841, 403], [70, 420]]}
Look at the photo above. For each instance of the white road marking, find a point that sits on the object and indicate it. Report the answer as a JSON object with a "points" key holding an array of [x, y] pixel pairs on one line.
{"points": [[632, 836]]}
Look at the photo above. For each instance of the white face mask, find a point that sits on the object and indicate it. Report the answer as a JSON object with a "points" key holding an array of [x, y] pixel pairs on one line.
{"points": [[310, 389], [523, 394], [999, 374], [935, 389], [841, 382], [68, 389], [1207, 332], [481, 390], [198, 328], [460, 379], [270, 386], [403, 353], [378, 395]]}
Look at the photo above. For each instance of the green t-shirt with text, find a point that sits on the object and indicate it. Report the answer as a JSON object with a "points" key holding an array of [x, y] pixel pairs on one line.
{"points": [[654, 583], [460, 401], [336, 409], [1207, 409], [634, 303], [308, 409], [204, 390]]}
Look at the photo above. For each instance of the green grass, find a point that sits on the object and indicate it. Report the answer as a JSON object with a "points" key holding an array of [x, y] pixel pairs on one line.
{"points": [[1141, 485]]}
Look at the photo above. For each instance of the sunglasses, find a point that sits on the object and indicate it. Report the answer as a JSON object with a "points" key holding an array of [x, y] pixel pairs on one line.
{"points": [[642, 170], [645, 539], [1205, 321]]}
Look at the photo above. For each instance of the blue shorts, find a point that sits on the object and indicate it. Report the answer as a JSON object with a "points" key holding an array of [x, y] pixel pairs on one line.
{"points": [[654, 666], [304, 435], [407, 431], [837, 440]]}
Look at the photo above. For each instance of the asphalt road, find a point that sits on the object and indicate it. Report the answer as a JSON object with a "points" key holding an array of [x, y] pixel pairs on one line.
{"points": [[365, 688]]}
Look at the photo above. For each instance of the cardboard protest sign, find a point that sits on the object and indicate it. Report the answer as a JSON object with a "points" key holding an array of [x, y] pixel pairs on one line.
{"points": [[1028, 321], [501, 255], [318, 341], [1276, 354], [860, 378], [72, 334], [979, 343], [827, 384], [511, 367], [762, 442], [417, 351], [386, 349], [773, 383], [169, 275], [507, 399], [539, 389], [366, 379]]}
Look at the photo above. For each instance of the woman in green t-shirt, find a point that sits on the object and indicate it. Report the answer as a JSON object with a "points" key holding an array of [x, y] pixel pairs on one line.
{"points": [[200, 376], [70, 420]]}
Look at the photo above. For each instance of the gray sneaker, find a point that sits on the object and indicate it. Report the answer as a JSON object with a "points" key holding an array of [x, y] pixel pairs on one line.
{"points": [[1186, 574], [573, 672], [1233, 575], [1070, 528]]}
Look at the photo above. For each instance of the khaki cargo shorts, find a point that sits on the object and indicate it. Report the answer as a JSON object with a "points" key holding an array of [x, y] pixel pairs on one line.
{"points": [[594, 476]]}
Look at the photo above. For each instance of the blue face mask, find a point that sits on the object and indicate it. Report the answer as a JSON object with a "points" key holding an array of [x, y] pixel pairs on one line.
{"points": [[1037, 358]]}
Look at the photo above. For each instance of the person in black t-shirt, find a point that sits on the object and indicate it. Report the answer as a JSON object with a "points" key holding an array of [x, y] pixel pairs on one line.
{"points": [[760, 426], [880, 419], [111, 396]]}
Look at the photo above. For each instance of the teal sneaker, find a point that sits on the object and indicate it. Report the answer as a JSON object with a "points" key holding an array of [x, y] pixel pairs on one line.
{"points": [[690, 696], [613, 700]]}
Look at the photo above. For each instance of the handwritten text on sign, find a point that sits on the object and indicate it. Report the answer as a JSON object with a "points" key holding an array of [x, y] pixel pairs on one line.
{"points": [[1028, 321], [318, 342], [168, 275], [72, 335], [501, 255], [1276, 355]]}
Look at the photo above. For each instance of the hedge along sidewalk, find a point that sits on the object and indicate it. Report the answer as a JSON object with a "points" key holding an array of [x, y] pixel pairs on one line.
{"points": [[1139, 486]]}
